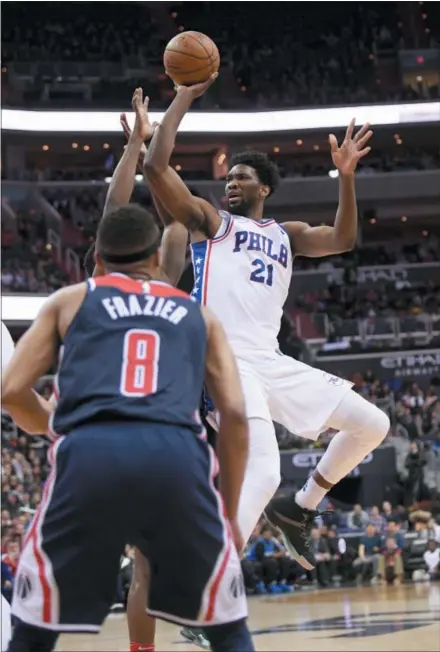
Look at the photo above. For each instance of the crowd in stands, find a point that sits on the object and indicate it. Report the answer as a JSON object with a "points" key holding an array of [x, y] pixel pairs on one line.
{"points": [[295, 58], [75, 34], [360, 546], [27, 262], [287, 58], [342, 302]]}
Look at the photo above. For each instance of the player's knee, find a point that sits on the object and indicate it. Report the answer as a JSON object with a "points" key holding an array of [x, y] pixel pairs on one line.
{"points": [[382, 424], [374, 423], [361, 419]]}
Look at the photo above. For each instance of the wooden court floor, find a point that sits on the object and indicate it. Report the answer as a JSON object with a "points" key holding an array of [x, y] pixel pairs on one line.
{"points": [[336, 620]]}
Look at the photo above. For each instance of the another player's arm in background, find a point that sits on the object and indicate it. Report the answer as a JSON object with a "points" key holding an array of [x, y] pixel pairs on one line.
{"points": [[196, 214], [175, 235], [36, 351], [224, 386], [326, 240]]}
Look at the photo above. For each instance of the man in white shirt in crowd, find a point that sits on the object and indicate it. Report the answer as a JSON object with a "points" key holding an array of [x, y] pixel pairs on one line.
{"points": [[432, 560]]}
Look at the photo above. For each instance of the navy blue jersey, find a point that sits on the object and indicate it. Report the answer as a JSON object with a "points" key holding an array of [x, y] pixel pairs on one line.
{"points": [[134, 351]]}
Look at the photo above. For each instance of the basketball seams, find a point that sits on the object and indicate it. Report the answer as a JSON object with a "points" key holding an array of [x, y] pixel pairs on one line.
{"points": [[172, 68], [187, 54]]}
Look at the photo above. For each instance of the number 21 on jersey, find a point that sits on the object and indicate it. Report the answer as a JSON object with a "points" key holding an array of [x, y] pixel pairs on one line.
{"points": [[262, 273], [140, 362]]}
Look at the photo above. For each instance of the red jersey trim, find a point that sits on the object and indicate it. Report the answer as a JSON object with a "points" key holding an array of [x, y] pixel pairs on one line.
{"points": [[136, 286]]}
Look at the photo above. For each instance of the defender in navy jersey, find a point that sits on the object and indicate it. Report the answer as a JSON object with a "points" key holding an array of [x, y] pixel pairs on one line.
{"points": [[129, 463]]}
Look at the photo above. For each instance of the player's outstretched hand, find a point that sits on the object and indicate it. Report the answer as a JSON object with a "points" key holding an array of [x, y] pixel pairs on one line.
{"points": [[127, 132], [347, 156], [196, 90], [236, 536], [143, 129]]}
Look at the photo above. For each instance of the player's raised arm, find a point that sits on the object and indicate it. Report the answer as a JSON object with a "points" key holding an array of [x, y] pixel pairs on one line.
{"points": [[36, 351], [122, 182], [196, 214], [326, 240], [175, 235], [224, 386]]}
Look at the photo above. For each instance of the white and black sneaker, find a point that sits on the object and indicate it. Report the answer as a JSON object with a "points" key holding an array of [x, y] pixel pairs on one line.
{"points": [[295, 523]]}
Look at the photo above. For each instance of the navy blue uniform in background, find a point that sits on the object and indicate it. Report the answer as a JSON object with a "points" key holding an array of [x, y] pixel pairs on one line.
{"points": [[130, 465]]}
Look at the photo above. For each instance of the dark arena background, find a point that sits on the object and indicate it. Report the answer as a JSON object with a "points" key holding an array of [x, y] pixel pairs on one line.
{"points": [[290, 74]]}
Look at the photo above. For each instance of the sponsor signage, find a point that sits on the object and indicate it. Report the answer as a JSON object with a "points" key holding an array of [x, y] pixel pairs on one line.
{"points": [[420, 366]]}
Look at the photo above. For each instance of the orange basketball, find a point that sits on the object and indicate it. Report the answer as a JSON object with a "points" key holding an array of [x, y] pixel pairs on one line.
{"points": [[191, 58]]}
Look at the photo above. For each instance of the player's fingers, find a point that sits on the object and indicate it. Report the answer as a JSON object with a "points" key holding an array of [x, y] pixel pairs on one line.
{"points": [[364, 152], [146, 103], [212, 78], [364, 140], [350, 128], [137, 98], [333, 142], [206, 84], [361, 132]]}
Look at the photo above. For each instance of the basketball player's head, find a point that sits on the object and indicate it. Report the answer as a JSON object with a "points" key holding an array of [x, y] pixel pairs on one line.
{"points": [[252, 178], [128, 241]]}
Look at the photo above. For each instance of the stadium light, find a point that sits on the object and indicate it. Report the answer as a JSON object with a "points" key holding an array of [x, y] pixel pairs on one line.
{"points": [[226, 122]]}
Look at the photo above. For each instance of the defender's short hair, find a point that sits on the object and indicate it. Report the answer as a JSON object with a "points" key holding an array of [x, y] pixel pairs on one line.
{"points": [[267, 170], [127, 231]]}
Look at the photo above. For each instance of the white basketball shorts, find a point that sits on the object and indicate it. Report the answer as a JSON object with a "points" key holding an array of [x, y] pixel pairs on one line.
{"points": [[299, 397]]}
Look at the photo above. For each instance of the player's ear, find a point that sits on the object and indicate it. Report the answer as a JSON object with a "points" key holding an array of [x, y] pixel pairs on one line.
{"points": [[264, 192]]}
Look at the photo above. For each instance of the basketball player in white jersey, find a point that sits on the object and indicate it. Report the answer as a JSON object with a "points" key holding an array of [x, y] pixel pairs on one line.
{"points": [[7, 353], [243, 267]]}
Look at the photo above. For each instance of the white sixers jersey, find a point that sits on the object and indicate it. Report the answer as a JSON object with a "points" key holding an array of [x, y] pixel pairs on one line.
{"points": [[243, 276]]}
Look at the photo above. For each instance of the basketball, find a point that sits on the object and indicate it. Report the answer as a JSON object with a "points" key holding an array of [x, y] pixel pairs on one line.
{"points": [[191, 58]]}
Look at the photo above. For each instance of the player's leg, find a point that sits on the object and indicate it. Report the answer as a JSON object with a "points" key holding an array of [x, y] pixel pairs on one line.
{"points": [[203, 586], [141, 626], [70, 560], [263, 476], [362, 427], [312, 399]]}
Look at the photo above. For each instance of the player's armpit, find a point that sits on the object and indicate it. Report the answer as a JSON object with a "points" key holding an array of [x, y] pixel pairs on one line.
{"points": [[34, 354], [224, 386], [315, 241]]}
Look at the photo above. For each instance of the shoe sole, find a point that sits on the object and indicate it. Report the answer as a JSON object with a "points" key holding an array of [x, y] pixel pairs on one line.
{"points": [[302, 561]]}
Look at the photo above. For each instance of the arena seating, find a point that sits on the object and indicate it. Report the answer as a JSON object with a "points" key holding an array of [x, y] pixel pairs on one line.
{"points": [[289, 58], [342, 54]]}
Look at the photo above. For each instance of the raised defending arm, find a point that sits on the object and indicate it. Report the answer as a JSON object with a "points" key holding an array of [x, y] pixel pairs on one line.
{"points": [[326, 240], [175, 235]]}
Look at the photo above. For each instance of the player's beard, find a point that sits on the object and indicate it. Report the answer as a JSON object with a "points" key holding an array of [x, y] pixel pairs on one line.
{"points": [[243, 208]]}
